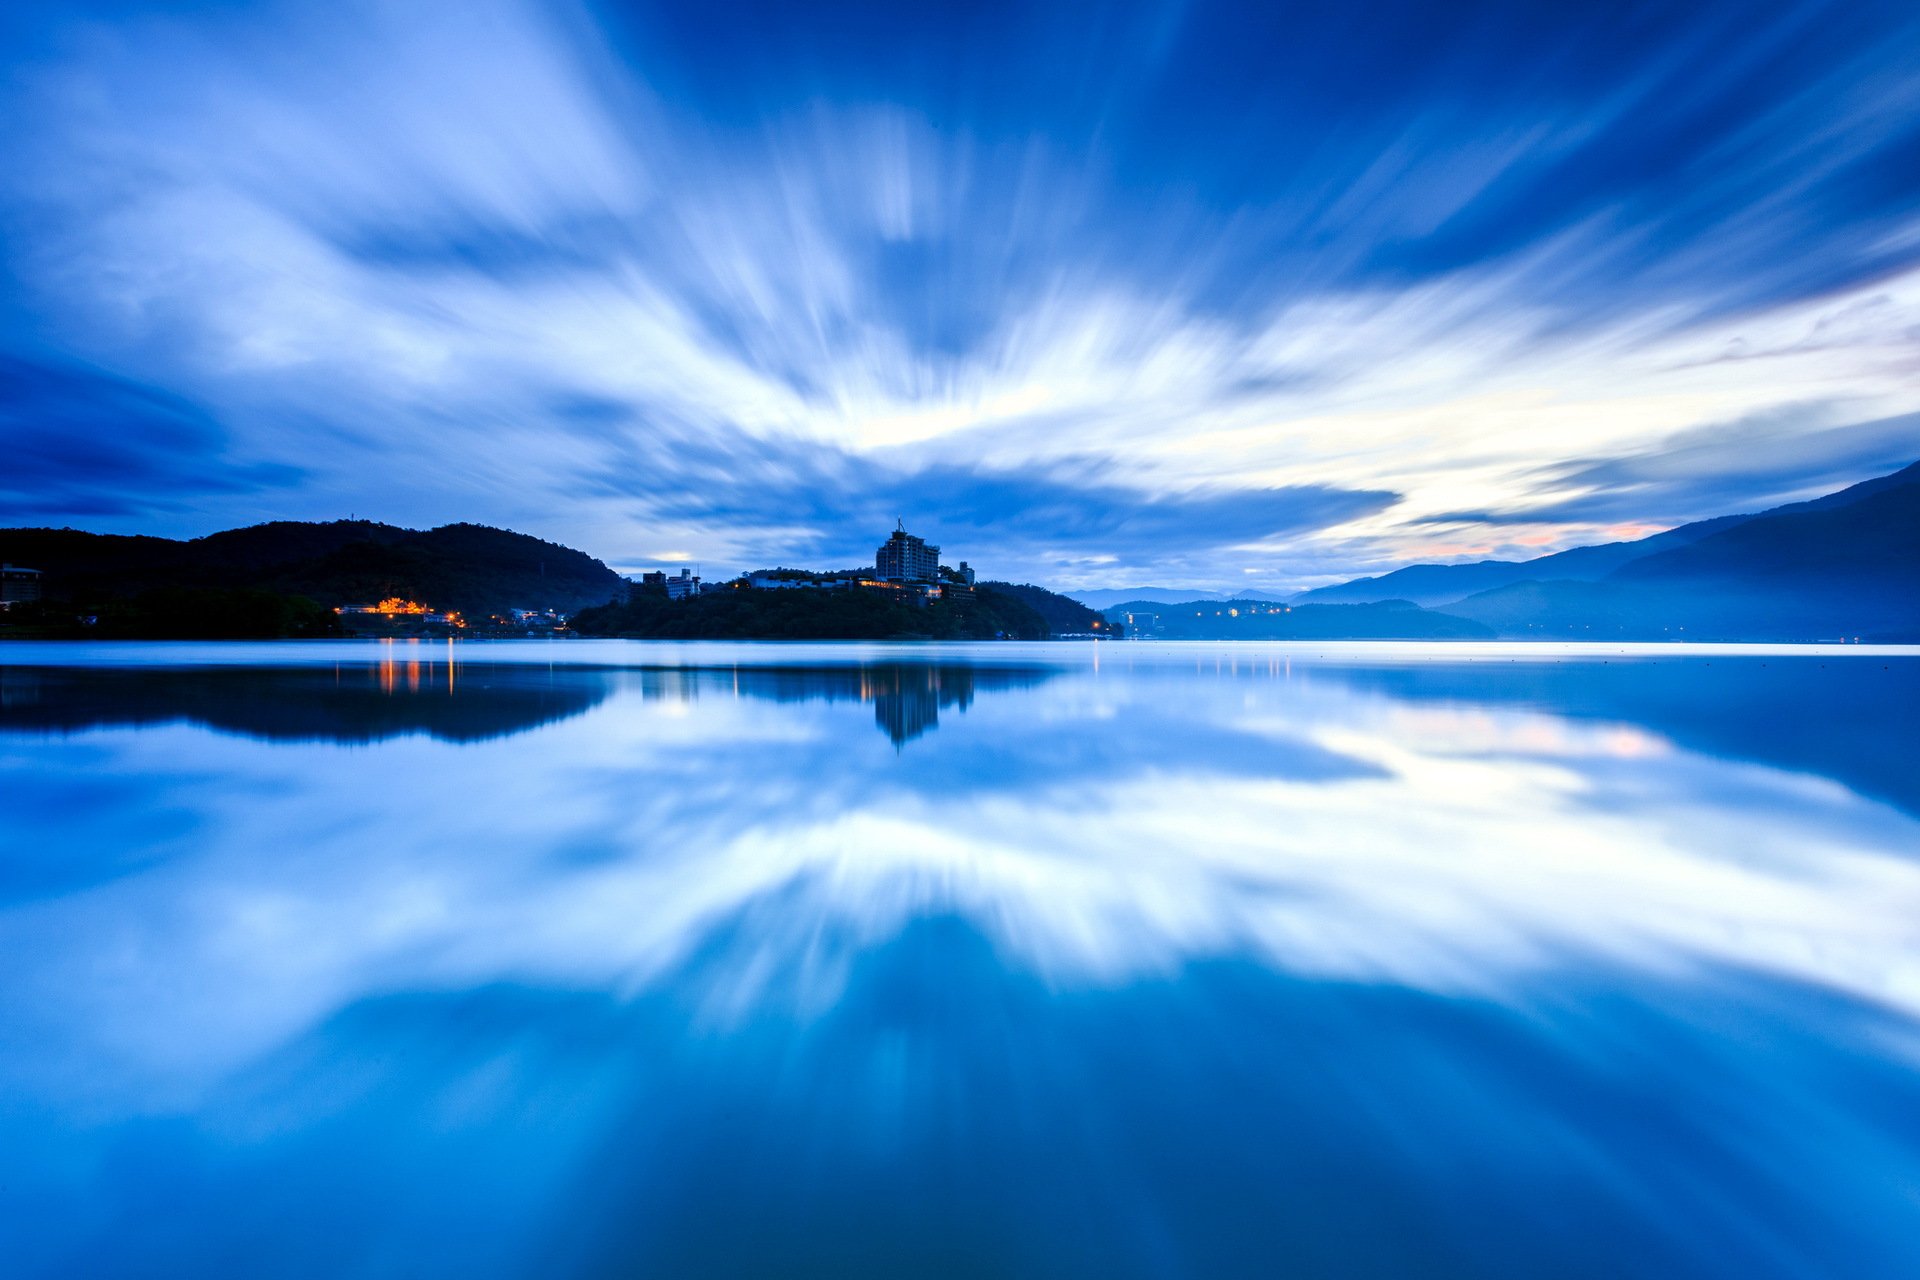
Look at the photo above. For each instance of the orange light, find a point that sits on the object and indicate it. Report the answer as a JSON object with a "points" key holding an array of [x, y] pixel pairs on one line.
{"points": [[394, 604]]}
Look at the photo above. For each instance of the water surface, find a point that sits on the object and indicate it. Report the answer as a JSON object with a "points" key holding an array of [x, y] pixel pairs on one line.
{"points": [[580, 959]]}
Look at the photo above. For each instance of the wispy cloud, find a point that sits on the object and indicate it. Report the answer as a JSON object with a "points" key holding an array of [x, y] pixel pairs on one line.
{"points": [[78, 443], [1094, 297]]}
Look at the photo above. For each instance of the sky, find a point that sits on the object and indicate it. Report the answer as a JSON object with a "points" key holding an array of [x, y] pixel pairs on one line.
{"points": [[1213, 295]]}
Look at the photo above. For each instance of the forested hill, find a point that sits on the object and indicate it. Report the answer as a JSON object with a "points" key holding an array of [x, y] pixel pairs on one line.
{"points": [[1063, 616], [468, 567], [1822, 570]]}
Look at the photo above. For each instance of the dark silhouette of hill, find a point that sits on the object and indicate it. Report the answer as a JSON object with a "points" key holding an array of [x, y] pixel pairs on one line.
{"points": [[1062, 614], [467, 567], [1846, 566], [1440, 584], [1435, 584]]}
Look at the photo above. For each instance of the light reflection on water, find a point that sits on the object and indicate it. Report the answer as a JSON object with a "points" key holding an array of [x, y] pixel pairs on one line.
{"points": [[1016, 960]]}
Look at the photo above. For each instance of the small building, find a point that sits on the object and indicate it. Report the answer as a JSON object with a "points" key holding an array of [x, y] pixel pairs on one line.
{"points": [[18, 585], [683, 585], [964, 573]]}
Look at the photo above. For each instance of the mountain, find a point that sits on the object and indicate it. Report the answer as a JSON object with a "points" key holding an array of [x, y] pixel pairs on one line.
{"points": [[467, 567], [1432, 584], [1435, 584], [1439, 584], [1841, 567]]}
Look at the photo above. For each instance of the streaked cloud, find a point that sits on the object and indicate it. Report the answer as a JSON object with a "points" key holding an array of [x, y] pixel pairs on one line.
{"points": [[1186, 291]]}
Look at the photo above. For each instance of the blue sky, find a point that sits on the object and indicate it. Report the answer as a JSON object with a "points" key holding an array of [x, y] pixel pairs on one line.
{"points": [[1217, 295]]}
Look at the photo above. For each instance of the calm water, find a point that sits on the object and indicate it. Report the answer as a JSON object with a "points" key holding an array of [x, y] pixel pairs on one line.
{"points": [[1123, 960]]}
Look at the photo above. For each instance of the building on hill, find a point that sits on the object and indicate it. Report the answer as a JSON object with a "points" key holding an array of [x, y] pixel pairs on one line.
{"points": [[905, 558], [18, 585], [779, 582], [683, 586]]}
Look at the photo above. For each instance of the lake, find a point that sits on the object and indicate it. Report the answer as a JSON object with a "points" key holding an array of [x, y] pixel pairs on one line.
{"points": [[1104, 960]]}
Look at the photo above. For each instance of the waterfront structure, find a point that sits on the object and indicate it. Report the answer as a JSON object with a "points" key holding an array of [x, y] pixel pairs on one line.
{"points": [[683, 586], [394, 613], [905, 558], [18, 585]]}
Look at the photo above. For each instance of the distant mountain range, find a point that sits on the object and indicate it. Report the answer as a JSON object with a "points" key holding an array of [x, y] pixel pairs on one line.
{"points": [[1844, 566], [1433, 584]]}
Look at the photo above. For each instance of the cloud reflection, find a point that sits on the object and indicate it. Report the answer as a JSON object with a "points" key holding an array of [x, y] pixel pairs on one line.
{"points": [[437, 691], [1098, 828], [1340, 929]]}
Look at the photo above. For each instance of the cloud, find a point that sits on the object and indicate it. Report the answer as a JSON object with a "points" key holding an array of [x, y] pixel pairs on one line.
{"points": [[76, 442], [1756, 462], [1188, 279]]}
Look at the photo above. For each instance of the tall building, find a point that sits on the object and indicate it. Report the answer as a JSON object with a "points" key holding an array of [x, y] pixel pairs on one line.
{"points": [[905, 558], [683, 586]]}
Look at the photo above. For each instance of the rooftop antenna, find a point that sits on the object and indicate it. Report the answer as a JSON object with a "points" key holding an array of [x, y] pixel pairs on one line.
{"points": [[900, 523]]}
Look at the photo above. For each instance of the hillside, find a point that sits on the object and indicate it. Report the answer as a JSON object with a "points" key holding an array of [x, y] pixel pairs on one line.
{"points": [[1436, 584], [1439, 584], [1818, 570], [470, 568], [1063, 615]]}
